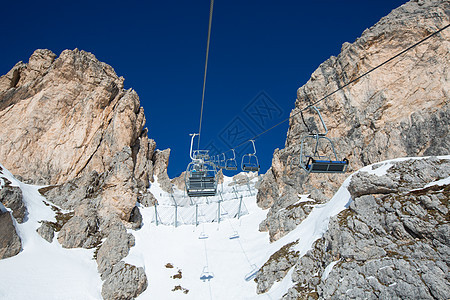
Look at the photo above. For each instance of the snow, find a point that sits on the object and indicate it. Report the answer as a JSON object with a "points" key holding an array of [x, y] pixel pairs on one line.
{"points": [[328, 269], [229, 260], [439, 182], [51, 272], [43, 270]]}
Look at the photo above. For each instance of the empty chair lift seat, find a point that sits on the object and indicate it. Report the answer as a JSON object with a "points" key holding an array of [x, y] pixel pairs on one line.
{"points": [[250, 168], [326, 166], [201, 185]]}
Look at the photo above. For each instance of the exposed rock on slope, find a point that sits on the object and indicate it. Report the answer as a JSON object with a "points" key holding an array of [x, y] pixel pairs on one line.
{"points": [[11, 197], [401, 109], [10, 243], [68, 122], [389, 244]]}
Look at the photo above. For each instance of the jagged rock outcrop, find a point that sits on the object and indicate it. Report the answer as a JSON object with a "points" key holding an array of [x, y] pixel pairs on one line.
{"points": [[82, 229], [10, 243], [161, 161], [68, 122], [399, 110], [46, 231], [388, 244], [125, 282], [115, 247], [11, 197], [69, 116]]}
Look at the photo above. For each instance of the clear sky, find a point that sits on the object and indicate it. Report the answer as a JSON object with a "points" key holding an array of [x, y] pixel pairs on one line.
{"points": [[261, 52]]}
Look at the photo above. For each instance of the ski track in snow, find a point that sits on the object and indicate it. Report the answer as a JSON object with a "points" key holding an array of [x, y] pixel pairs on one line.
{"points": [[50, 272]]}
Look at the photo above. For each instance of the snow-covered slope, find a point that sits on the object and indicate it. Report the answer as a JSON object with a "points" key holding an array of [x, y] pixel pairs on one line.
{"points": [[158, 248], [174, 258], [45, 270]]}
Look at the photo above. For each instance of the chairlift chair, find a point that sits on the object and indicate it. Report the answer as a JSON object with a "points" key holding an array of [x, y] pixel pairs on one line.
{"points": [[206, 275], [234, 235], [315, 162], [249, 162], [252, 274], [203, 236], [230, 163], [201, 174]]}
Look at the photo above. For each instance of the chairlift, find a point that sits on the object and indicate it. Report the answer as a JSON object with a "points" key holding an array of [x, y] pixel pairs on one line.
{"points": [[201, 173], [234, 235], [230, 163], [319, 161], [252, 274], [249, 161], [206, 275], [203, 236]]}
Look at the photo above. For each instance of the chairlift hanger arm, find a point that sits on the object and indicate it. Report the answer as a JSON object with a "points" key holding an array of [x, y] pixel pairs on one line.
{"points": [[234, 154], [254, 148], [193, 135], [321, 120]]}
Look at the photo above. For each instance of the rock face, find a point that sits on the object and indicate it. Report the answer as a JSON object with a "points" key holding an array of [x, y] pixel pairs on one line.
{"points": [[388, 244], [46, 231], [401, 109], [68, 122], [11, 197], [126, 282], [161, 161], [10, 243], [69, 116]]}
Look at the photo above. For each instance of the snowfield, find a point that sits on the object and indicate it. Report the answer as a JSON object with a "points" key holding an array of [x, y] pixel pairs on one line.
{"points": [[174, 258], [43, 270]]}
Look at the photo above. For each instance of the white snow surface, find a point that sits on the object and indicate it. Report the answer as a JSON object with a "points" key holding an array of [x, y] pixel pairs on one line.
{"points": [[43, 270], [444, 181], [328, 269], [47, 271]]}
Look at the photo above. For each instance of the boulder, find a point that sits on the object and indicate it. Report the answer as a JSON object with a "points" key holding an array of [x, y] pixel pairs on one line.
{"points": [[82, 230], [125, 282], [12, 198], [10, 243], [46, 231], [114, 248]]}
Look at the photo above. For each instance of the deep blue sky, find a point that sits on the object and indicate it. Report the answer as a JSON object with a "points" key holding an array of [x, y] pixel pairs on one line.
{"points": [[159, 48]]}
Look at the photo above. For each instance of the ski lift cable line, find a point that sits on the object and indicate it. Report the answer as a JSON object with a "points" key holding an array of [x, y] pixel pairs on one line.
{"points": [[206, 70], [342, 87]]}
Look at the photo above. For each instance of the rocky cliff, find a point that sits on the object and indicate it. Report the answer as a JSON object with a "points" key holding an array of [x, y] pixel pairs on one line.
{"points": [[392, 242], [69, 124], [400, 109]]}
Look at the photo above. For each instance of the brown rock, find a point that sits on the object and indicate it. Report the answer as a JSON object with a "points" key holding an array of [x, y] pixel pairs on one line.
{"points": [[70, 116]]}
